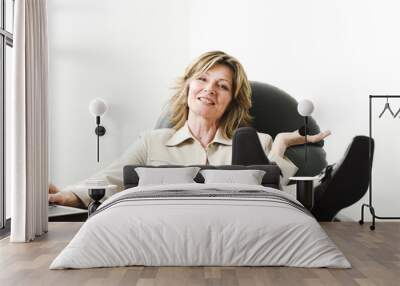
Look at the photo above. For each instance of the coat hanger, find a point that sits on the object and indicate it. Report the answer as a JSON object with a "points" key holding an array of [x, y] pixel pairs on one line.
{"points": [[397, 113], [387, 107]]}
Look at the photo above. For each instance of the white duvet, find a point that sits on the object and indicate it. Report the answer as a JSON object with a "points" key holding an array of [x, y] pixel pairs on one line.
{"points": [[207, 230]]}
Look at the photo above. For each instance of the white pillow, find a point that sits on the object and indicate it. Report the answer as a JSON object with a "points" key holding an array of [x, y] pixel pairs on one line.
{"points": [[163, 176], [248, 177]]}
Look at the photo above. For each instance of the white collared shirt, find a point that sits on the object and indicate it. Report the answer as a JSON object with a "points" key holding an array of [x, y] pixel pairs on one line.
{"points": [[169, 147]]}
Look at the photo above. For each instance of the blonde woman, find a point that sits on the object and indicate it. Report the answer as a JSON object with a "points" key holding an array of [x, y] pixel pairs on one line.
{"points": [[212, 100]]}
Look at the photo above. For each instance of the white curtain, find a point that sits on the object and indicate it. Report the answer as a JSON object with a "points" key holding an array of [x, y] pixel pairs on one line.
{"points": [[27, 122]]}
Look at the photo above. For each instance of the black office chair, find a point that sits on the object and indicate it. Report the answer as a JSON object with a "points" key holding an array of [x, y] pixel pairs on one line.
{"points": [[274, 111]]}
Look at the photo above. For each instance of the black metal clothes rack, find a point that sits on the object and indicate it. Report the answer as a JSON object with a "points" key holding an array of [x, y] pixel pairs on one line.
{"points": [[369, 205]]}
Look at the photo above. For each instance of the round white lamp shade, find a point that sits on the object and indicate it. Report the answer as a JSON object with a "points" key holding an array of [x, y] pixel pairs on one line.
{"points": [[97, 107], [305, 107]]}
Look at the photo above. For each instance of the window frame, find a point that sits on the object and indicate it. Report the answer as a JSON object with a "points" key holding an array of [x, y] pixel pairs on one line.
{"points": [[6, 39]]}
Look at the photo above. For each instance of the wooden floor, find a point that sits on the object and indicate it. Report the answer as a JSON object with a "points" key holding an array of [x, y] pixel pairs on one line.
{"points": [[375, 256]]}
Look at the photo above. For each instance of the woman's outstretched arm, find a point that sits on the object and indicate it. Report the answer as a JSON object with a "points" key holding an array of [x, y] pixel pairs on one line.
{"points": [[286, 139]]}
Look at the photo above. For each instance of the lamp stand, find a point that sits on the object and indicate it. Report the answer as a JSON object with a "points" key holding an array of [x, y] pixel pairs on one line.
{"points": [[100, 131]]}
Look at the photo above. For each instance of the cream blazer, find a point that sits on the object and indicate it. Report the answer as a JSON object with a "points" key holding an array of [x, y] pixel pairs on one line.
{"points": [[169, 147]]}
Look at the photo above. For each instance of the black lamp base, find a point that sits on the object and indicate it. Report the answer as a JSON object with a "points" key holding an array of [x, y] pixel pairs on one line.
{"points": [[100, 130]]}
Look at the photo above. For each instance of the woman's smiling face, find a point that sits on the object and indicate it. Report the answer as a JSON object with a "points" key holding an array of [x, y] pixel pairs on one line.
{"points": [[211, 92]]}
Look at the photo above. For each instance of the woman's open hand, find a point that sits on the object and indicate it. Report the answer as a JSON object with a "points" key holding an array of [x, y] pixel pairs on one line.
{"points": [[294, 138], [62, 198], [286, 139]]}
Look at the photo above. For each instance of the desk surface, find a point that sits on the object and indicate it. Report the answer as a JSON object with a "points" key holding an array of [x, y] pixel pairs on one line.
{"points": [[57, 210]]}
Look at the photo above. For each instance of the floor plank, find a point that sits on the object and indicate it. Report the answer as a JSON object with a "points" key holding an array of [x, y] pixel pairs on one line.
{"points": [[374, 255]]}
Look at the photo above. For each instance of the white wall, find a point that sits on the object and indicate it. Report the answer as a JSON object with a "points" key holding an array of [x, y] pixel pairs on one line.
{"points": [[335, 53], [126, 52]]}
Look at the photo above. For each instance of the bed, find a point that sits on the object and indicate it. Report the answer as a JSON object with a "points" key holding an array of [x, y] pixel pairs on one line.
{"points": [[201, 224]]}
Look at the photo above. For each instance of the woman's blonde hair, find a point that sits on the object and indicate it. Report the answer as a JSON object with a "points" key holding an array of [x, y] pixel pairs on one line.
{"points": [[237, 113]]}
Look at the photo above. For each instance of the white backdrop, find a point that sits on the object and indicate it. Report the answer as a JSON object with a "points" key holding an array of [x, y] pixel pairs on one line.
{"points": [[335, 53]]}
